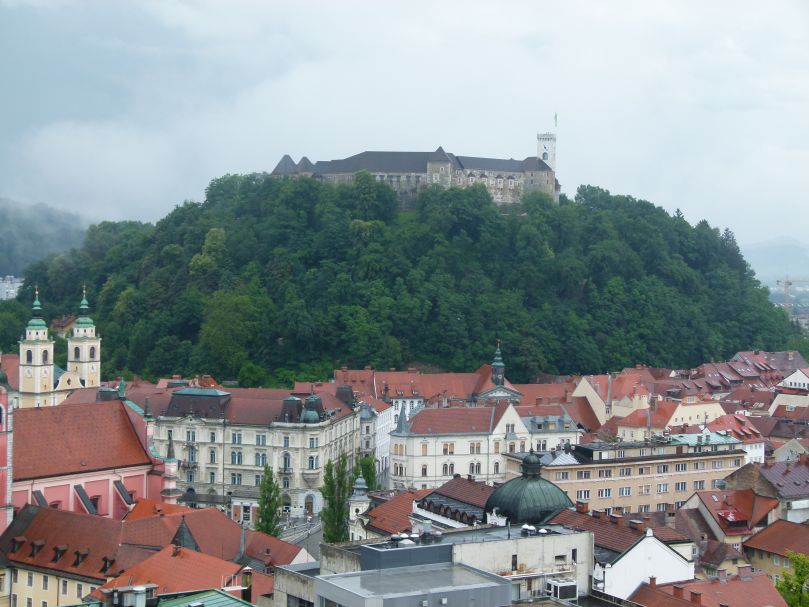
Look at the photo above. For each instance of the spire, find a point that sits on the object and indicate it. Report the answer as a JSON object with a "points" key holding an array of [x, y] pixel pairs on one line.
{"points": [[498, 367], [84, 319], [36, 321]]}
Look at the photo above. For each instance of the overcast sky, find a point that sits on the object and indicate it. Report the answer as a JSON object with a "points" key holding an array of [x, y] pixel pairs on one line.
{"points": [[124, 109]]}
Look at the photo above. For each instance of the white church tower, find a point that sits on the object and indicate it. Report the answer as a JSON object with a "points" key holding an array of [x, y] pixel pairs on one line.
{"points": [[546, 149], [36, 362], [84, 348]]}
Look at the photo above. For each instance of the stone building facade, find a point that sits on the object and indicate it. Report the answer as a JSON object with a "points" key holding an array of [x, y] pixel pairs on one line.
{"points": [[408, 173]]}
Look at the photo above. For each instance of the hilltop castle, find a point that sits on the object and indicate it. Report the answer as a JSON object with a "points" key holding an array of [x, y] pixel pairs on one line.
{"points": [[507, 180]]}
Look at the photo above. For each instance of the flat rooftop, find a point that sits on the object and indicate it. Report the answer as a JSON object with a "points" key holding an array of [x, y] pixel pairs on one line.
{"points": [[415, 580]]}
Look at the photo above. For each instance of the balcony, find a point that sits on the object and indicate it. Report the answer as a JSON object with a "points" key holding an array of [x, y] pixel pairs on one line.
{"points": [[283, 470], [186, 465], [308, 472]]}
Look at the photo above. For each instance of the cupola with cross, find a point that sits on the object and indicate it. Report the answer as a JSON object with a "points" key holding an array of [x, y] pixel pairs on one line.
{"points": [[36, 361], [84, 347]]}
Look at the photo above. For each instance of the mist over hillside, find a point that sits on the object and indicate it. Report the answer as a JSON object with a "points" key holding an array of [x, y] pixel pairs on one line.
{"points": [[30, 232], [774, 259]]}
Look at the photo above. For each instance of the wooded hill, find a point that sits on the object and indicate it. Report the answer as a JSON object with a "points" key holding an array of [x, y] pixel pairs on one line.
{"points": [[269, 279]]}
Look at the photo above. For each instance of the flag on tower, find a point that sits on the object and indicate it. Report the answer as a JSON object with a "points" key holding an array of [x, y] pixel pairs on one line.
{"points": [[556, 119]]}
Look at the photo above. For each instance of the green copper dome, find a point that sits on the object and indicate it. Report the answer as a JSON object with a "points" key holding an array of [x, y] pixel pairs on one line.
{"points": [[310, 416], [36, 321], [528, 499], [84, 319]]}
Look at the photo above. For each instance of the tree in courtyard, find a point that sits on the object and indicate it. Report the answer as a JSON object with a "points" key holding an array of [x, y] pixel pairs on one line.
{"points": [[269, 504], [366, 466], [792, 585], [336, 491]]}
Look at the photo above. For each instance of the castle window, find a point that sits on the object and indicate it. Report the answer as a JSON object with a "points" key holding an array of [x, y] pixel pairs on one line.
{"points": [[435, 177], [499, 182], [544, 155], [511, 183], [29, 356]]}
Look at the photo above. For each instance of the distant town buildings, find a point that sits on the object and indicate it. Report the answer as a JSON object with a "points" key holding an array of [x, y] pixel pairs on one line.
{"points": [[9, 286]]}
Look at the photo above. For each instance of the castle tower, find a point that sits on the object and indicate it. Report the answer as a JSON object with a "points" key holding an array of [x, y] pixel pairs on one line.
{"points": [[36, 362], [546, 149], [84, 348]]}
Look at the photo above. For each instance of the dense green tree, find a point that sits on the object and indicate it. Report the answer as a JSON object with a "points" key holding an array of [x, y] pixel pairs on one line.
{"points": [[268, 519], [793, 583], [271, 280], [366, 466], [336, 491]]}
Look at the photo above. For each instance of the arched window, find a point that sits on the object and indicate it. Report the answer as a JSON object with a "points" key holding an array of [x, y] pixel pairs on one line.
{"points": [[261, 459], [76, 353], [236, 457], [497, 467], [544, 155], [445, 469], [477, 468], [471, 468], [45, 357], [29, 356], [285, 482], [92, 352], [452, 469]]}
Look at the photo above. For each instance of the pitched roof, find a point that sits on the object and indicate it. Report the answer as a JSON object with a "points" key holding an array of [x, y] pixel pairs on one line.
{"points": [[737, 511], [714, 553], [464, 490], [779, 537], [658, 417], [453, 420], [176, 569], [650, 596], [790, 479], [145, 508], [10, 363], [101, 437], [616, 537], [582, 413], [755, 589], [392, 516]]}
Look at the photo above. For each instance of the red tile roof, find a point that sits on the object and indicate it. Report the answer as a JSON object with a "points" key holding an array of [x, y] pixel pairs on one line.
{"points": [[648, 596], [730, 507], [453, 420], [392, 516], [101, 437], [465, 490], [176, 569], [145, 508], [756, 590], [617, 537], [779, 537], [10, 363], [659, 417], [582, 413], [377, 405]]}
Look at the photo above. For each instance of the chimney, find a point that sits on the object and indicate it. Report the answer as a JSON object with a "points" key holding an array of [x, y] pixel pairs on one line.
{"points": [[636, 524], [596, 513], [745, 571], [722, 574], [696, 597], [582, 507], [803, 458], [678, 591], [652, 581], [616, 519]]}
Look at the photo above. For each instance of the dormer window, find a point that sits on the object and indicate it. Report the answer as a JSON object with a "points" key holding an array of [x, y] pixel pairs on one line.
{"points": [[36, 546], [59, 552], [106, 563], [18, 542], [80, 556]]}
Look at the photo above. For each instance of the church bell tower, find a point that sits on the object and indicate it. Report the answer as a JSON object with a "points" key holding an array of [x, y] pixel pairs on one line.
{"points": [[36, 362], [84, 347]]}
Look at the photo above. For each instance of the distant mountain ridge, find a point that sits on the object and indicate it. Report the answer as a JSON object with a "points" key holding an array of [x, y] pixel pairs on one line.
{"points": [[29, 233]]}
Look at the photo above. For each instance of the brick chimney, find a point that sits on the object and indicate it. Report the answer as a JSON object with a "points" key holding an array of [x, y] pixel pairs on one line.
{"points": [[636, 524], [696, 597], [678, 591], [616, 519], [582, 507], [652, 581], [596, 513], [745, 571], [722, 575]]}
